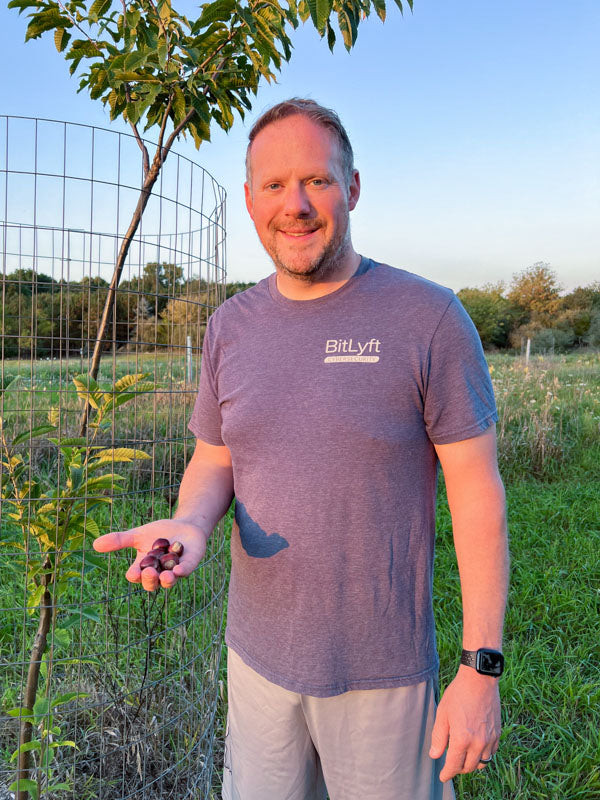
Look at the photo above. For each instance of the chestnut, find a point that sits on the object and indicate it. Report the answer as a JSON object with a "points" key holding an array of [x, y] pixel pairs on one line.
{"points": [[168, 560], [161, 544], [149, 560], [177, 548]]}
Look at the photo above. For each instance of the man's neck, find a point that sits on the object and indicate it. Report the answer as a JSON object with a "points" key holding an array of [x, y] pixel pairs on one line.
{"points": [[298, 289]]}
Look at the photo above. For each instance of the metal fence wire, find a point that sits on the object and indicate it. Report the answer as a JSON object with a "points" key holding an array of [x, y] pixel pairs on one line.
{"points": [[106, 691]]}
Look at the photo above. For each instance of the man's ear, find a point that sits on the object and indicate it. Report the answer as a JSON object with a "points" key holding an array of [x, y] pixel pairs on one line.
{"points": [[248, 196], [354, 191]]}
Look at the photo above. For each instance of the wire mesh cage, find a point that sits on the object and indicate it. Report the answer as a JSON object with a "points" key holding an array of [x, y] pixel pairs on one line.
{"points": [[106, 691]]}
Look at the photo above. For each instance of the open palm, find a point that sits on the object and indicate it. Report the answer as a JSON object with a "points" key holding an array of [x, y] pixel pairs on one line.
{"points": [[191, 536]]}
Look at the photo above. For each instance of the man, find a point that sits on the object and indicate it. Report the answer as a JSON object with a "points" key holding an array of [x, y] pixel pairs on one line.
{"points": [[328, 394]]}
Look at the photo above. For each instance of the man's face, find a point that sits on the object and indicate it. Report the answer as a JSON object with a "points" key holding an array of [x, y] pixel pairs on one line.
{"points": [[299, 199]]}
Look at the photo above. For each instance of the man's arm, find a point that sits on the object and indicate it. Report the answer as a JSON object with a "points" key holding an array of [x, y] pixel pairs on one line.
{"points": [[468, 716], [205, 494]]}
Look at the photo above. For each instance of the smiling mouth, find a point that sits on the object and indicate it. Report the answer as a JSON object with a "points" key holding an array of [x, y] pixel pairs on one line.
{"points": [[298, 234]]}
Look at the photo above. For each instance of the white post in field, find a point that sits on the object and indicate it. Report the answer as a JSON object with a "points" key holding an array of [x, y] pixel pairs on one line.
{"points": [[189, 358], [527, 350]]}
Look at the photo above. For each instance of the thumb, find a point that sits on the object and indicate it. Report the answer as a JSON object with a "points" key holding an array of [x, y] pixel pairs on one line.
{"points": [[439, 735], [113, 541]]}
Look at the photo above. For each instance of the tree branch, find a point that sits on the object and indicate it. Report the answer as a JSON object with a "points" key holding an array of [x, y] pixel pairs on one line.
{"points": [[138, 138]]}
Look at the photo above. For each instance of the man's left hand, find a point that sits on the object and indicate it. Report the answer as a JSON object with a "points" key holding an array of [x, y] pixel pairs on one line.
{"points": [[467, 722]]}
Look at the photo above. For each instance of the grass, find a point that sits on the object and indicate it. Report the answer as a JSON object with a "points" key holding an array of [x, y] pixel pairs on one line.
{"points": [[549, 452]]}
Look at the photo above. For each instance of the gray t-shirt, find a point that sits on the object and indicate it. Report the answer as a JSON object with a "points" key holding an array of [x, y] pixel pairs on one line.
{"points": [[330, 408]]}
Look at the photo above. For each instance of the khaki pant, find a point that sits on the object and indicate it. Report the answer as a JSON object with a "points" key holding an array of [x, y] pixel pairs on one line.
{"points": [[361, 745]]}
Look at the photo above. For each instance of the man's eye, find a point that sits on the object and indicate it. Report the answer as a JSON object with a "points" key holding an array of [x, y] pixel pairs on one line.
{"points": [[318, 182], [273, 186]]}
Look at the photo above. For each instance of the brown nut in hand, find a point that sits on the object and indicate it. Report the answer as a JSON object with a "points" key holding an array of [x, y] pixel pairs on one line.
{"points": [[150, 560], [161, 544], [169, 560], [177, 548]]}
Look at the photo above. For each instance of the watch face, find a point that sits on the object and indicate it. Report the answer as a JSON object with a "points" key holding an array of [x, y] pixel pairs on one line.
{"points": [[490, 662]]}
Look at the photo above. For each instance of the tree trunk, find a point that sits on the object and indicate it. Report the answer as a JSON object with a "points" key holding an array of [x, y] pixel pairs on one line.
{"points": [[145, 193], [33, 675]]}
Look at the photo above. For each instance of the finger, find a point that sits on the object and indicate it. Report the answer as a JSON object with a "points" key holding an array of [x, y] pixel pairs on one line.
{"points": [[439, 735], [150, 579], [134, 573], [473, 758], [113, 541], [454, 764], [167, 579]]}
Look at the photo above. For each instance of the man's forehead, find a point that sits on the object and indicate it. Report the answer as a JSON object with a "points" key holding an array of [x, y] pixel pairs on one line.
{"points": [[292, 134]]}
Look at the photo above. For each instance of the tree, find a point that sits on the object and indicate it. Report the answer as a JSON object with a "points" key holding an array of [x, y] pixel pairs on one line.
{"points": [[156, 68], [491, 312], [536, 292]]}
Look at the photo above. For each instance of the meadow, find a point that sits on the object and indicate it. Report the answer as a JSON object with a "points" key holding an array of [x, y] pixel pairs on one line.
{"points": [[549, 454]]}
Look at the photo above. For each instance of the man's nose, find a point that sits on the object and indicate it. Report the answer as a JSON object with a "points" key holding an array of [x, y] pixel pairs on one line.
{"points": [[296, 201]]}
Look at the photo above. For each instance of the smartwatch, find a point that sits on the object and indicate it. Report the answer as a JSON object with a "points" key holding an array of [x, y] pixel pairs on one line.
{"points": [[485, 661]]}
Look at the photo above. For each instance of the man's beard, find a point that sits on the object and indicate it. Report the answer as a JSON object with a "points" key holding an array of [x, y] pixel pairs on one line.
{"points": [[323, 265]]}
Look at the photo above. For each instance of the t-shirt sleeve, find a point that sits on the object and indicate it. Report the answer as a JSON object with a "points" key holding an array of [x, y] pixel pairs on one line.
{"points": [[459, 398], [205, 422]]}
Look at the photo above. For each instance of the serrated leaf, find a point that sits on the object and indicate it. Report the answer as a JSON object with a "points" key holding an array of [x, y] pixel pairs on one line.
{"points": [[45, 21], [120, 454], [98, 9], [61, 39], [40, 430], [319, 13], [101, 482], [164, 10], [24, 748], [219, 11], [348, 28]]}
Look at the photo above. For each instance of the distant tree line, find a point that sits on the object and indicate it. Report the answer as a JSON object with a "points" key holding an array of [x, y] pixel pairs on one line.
{"points": [[43, 317], [532, 307], [47, 318]]}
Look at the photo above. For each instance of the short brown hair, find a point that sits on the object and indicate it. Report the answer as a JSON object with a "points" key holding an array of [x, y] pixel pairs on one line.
{"points": [[313, 111]]}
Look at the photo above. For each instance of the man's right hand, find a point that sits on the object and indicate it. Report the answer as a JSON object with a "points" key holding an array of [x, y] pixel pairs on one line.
{"points": [[191, 536]]}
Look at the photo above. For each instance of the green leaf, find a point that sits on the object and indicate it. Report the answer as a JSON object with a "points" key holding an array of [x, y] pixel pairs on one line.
{"points": [[66, 698], [219, 11], [22, 4], [348, 27], [69, 441], [21, 711], [319, 13], [98, 9], [178, 104], [26, 785], [40, 430], [61, 39], [25, 747], [120, 454], [61, 636], [33, 600], [41, 708], [45, 21], [101, 482], [379, 6]]}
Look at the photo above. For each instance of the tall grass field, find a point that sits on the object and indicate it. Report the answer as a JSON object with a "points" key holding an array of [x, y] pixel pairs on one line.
{"points": [[549, 454]]}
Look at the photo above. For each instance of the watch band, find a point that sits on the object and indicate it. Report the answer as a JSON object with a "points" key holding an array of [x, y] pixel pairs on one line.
{"points": [[469, 658], [485, 661]]}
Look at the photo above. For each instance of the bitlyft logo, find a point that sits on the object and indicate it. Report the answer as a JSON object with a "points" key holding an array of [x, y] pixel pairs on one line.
{"points": [[337, 350]]}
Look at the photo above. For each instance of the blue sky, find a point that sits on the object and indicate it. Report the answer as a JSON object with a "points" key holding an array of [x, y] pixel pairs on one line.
{"points": [[475, 124]]}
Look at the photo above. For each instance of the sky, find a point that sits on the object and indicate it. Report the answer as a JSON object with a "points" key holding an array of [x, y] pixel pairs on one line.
{"points": [[475, 126]]}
